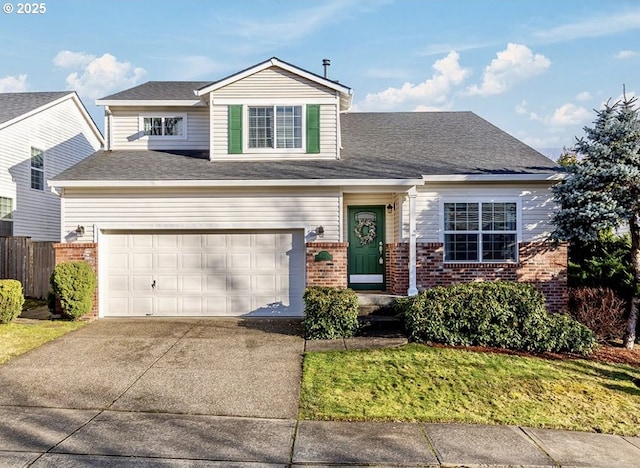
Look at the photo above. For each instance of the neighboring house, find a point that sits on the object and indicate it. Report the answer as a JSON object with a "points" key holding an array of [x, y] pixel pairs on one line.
{"points": [[41, 134], [230, 197]]}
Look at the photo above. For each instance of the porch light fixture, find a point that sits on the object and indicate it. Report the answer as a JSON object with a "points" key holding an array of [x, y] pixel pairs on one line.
{"points": [[320, 231], [391, 207], [80, 231]]}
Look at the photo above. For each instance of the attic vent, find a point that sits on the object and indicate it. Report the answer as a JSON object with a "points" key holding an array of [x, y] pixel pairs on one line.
{"points": [[326, 63]]}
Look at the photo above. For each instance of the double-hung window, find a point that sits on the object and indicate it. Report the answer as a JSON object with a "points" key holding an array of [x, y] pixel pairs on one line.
{"points": [[164, 126], [480, 232], [37, 169], [275, 127], [6, 216]]}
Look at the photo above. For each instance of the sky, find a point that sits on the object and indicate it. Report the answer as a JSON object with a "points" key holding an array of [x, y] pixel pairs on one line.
{"points": [[538, 69]]}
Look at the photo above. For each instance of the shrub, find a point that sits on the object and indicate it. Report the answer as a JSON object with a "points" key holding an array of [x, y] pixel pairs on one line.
{"points": [[501, 314], [11, 300], [74, 283], [600, 309], [330, 313], [566, 335]]}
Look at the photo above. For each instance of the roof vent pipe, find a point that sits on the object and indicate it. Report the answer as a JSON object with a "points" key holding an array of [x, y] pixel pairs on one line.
{"points": [[325, 64]]}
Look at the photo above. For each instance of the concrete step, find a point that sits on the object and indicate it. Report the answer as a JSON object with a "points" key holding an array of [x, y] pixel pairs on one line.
{"points": [[375, 303]]}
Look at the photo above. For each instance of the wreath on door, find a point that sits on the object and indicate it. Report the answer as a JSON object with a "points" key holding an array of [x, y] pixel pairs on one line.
{"points": [[370, 234]]}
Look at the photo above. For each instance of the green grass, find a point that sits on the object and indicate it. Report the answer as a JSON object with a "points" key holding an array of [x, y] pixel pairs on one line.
{"points": [[422, 383], [18, 338]]}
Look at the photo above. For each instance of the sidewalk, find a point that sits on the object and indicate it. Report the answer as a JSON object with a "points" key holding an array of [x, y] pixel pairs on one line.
{"points": [[45, 437]]}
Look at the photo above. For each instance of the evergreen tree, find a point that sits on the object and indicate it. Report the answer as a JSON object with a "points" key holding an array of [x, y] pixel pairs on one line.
{"points": [[602, 190]]}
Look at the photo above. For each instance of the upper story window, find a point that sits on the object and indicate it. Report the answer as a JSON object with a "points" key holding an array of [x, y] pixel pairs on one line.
{"points": [[480, 232], [37, 169], [263, 129], [169, 126], [275, 127]]}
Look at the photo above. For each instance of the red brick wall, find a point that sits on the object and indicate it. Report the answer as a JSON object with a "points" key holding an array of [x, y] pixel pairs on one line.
{"points": [[327, 272], [538, 263], [87, 252]]}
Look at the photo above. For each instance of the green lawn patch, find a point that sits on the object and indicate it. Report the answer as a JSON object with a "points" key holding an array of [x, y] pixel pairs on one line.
{"points": [[429, 384], [18, 338]]}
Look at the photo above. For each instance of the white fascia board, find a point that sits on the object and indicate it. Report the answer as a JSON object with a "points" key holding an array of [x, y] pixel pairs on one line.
{"points": [[235, 183], [150, 103], [545, 177], [274, 63]]}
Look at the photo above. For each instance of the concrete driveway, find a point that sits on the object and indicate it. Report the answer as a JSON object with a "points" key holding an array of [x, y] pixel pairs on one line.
{"points": [[222, 367]]}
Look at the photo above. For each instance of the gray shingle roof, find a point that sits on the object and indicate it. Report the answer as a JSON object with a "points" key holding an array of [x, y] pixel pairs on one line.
{"points": [[160, 90], [14, 105], [375, 146]]}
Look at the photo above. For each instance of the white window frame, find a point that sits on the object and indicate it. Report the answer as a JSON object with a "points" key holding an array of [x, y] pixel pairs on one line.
{"points": [[245, 128], [11, 209], [36, 169], [163, 116], [480, 201]]}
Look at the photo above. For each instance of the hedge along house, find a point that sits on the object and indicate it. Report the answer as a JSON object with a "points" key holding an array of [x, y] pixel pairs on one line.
{"points": [[228, 198]]}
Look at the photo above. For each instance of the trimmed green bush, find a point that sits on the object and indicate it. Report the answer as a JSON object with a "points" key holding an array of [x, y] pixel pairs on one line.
{"points": [[500, 314], [330, 313], [11, 300], [74, 283]]}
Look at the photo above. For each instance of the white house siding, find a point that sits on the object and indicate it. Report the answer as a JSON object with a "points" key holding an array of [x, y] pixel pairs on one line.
{"points": [[202, 208], [127, 133], [536, 203], [274, 83], [66, 138], [328, 136]]}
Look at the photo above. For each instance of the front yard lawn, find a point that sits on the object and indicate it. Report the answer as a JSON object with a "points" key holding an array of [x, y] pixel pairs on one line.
{"points": [[18, 338], [435, 384]]}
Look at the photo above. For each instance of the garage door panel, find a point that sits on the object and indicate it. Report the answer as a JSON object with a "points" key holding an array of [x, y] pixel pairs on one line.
{"points": [[196, 274]]}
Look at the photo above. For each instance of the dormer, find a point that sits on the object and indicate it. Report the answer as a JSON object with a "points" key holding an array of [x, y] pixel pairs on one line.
{"points": [[275, 110]]}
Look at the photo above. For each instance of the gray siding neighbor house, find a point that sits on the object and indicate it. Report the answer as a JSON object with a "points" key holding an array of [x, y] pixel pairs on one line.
{"points": [[228, 198]]}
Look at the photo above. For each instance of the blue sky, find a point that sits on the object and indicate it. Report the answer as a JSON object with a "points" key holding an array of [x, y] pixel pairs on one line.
{"points": [[535, 68]]}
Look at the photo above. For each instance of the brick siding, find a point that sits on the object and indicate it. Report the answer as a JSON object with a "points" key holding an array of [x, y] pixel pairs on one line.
{"points": [[327, 272]]}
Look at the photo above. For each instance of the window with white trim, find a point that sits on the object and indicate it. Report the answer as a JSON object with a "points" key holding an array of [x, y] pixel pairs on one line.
{"points": [[274, 127], [37, 169], [171, 126], [6, 216], [480, 232]]}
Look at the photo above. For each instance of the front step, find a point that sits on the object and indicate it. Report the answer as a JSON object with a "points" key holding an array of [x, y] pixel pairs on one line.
{"points": [[375, 303]]}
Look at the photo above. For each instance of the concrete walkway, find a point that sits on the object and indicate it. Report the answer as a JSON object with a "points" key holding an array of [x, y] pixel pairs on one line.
{"points": [[224, 393]]}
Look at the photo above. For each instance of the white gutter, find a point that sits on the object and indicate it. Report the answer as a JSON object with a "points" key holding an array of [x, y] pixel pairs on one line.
{"points": [[236, 183], [543, 177], [156, 102]]}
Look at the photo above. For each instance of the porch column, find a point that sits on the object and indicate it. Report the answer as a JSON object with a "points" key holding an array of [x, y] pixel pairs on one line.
{"points": [[413, 289]]}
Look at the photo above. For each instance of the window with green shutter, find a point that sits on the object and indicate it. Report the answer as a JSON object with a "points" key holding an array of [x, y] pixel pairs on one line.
{"points": [[235, 129], [313, 128]]}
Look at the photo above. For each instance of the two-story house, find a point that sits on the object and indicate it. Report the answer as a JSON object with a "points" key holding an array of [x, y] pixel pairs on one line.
{"points": [[41, 134], [230, 197]]}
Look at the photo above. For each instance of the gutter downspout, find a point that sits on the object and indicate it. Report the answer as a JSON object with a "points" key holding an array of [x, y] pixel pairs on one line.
{"points": [[108, 121]]}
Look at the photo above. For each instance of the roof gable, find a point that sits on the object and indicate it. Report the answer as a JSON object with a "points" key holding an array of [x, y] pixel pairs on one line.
{"points": [[15, 107]]}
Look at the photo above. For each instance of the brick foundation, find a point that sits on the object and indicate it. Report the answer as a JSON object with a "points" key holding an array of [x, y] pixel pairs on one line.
{"points": [[539, 264], [87, 252], [327, 272]]}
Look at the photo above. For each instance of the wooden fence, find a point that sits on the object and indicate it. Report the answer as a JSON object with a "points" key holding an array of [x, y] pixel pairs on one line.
{"points": [[29, 262]]}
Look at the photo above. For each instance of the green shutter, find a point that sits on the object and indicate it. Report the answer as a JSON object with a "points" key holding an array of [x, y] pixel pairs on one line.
{"points": [[313, 128], [235, 129]]}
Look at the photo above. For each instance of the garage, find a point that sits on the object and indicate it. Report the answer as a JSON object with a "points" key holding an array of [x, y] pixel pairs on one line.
{"points": [[231, 273]]}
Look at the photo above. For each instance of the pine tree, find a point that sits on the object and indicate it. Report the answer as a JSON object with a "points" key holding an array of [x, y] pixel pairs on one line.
{"points": [[602, 190]]}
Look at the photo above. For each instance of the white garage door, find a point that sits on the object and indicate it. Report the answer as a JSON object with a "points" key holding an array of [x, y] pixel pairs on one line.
{"points": [[205, 274]]}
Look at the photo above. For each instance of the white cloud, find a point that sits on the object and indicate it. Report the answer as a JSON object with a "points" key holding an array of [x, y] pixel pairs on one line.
{"points": [[516, 63], [431, 93], [626, 54], [584, 96], [96, 76], [196, 66], [13, 84], [596, 26], [522, 107], [569, 114]]}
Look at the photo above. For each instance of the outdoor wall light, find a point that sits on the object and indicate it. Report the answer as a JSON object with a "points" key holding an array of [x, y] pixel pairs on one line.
{"points": [[391, 207], [80, 231], [320, 231]]}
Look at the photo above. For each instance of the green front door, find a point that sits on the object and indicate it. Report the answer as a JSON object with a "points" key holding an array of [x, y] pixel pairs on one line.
{"points": [[365, 257]]}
